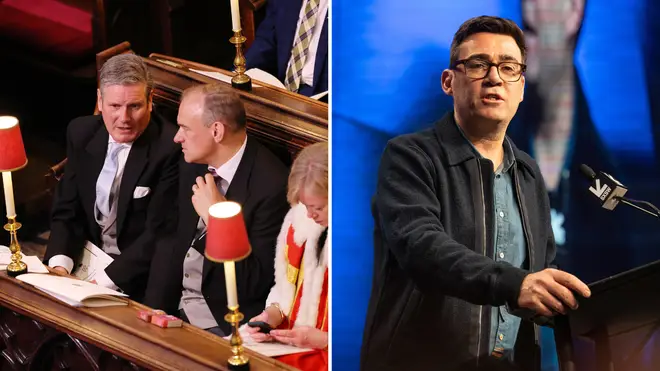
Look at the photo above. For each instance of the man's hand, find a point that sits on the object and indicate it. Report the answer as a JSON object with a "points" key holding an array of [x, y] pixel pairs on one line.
{"points": [[302, 337], [205, 194], [548, 292], [61, 271]]}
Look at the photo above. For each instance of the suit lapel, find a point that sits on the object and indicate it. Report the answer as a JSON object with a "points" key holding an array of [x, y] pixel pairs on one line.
{"points": [[137, 159], [92, 163], [289, 24], [189, 217], [238, 189], [321, 53]]}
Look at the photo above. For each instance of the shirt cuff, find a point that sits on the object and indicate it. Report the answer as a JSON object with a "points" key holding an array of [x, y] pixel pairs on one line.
{"points": [[61, 261], [102, 279]]}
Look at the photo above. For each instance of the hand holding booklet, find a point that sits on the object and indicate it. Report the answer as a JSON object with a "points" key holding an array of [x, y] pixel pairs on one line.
{"points": [[75, 292], [91, 261]]}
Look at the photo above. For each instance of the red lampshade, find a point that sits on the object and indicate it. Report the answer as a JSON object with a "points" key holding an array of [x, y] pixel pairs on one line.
{"points": [[12, 151], [226, 236]]}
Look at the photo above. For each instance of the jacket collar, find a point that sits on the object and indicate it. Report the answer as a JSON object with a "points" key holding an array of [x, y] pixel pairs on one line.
{"points": [[458, 150]]}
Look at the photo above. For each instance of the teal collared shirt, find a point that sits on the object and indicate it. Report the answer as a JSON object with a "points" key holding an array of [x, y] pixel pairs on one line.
{"points": [[510, 246]]}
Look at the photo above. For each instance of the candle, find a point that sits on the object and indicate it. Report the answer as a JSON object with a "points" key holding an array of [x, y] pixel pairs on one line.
{"points": [[235, 16], [230, 283], [9, 194]]}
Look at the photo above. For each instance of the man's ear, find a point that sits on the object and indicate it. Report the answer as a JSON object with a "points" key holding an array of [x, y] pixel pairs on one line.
{"points": [[522, 92], [150, 100], [218, 131], [447, 80], [99, 99]]}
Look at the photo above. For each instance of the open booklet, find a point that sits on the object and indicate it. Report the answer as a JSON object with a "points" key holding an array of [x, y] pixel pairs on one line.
{"points": [[268, 349], [75, 292]]}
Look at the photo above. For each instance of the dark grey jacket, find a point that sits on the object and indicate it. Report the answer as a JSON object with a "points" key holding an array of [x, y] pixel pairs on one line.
{"points": [[434, 276]]}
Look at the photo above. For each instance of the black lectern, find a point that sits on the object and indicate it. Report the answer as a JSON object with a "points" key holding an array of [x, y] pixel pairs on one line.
{"points": [[615, 329]]}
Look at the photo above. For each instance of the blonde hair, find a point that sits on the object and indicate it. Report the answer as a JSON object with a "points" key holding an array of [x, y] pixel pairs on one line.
{"points": [[309, 171]]}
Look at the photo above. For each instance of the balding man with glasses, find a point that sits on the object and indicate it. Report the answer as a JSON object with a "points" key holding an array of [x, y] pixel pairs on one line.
{"points": [[463, 239]]}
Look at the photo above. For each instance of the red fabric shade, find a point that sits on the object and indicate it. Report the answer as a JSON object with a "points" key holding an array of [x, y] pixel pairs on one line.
{"points": [[12, 151], [226, 236]]}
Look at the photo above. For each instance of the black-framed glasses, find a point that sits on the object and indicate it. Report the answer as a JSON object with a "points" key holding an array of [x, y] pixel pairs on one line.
{"points": [[477, 68]]}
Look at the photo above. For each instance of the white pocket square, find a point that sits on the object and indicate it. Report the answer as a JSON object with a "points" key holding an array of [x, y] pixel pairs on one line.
{"points": [[141, 192]]}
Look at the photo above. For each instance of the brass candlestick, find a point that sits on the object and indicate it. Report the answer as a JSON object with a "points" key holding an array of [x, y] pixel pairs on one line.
{"points": [[240, 79], [238, 361], [16, 266]]}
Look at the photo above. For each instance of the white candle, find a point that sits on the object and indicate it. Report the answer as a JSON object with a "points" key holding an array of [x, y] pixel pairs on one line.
{"points": [[230, 282], [235, 16], [9, 194]]}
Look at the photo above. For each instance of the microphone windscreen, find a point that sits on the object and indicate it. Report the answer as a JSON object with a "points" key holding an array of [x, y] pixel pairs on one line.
{"points": [[587, 171]]}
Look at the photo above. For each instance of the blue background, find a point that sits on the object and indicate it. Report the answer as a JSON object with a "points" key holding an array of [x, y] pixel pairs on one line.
{"points": [[387, 58]]}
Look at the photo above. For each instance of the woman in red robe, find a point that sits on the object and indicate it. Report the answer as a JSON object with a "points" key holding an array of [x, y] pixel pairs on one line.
{"points": [[297, 306]]}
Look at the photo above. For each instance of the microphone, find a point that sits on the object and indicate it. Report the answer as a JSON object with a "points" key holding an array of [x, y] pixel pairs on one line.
{"points": [[608, 190]]}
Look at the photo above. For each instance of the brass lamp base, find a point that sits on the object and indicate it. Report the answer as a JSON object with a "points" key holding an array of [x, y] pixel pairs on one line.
{"points": [[239, 361], [16, 267], [240, 80]]}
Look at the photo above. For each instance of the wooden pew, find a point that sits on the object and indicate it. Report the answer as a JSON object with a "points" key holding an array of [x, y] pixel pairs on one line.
{"points": [[54, 35], [38, 332], [284, 121], [252, 13]]}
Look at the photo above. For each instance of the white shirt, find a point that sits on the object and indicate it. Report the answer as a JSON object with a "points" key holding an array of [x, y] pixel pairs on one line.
{"points": [[192, 300], [310, 61], [66, 262]]}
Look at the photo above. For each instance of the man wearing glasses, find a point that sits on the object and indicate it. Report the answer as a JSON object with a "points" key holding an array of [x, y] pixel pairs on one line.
{"points": [[463, 239]]}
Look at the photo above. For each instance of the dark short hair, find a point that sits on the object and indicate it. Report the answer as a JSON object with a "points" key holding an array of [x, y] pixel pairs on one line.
{"points": [[489, 24], [220, 104]]}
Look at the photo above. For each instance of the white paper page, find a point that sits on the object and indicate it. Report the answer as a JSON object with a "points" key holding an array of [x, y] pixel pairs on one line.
{"points": [[220, 76], [263, 76], [91, 261], [33, 263], [69, 288], [319, 95], [268, 349]]}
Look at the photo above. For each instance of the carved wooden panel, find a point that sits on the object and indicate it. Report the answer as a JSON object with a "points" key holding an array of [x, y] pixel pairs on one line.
{"points": [[38, 332]]}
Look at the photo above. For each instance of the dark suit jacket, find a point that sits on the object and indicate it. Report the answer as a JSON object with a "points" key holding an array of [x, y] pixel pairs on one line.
{"points": [[152, 162], [271, 49], [259, 185]]}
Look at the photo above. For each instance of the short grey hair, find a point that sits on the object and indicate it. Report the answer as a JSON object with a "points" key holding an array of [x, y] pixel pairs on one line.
{"points": [[220, 104], [125, 69]]}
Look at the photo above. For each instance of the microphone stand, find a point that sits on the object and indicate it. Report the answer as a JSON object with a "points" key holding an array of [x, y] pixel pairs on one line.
{"points": [[631, 202]]}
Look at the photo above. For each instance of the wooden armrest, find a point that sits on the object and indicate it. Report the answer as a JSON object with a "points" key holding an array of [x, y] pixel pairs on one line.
{"points": [[253, 4], [57, 171], [103, 56]]}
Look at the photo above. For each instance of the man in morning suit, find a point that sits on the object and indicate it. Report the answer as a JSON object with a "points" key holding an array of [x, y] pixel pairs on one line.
{"points": [[292, 44], [221, 163], [464, 247], [121, 172]]}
